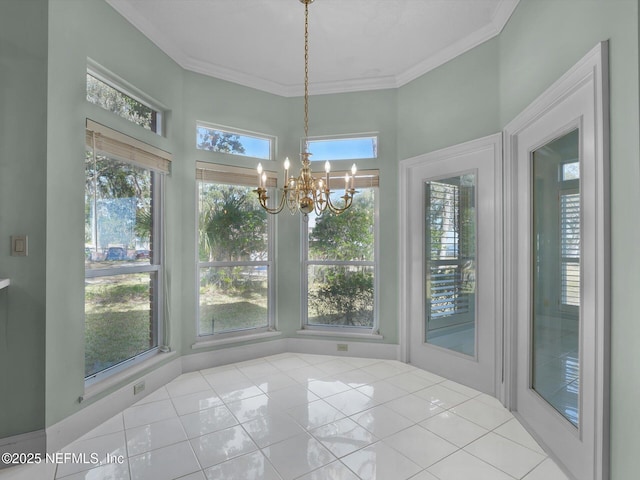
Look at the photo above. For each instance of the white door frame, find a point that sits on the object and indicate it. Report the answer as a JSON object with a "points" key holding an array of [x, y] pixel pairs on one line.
{"points": [[408, 168], [590, 73]]}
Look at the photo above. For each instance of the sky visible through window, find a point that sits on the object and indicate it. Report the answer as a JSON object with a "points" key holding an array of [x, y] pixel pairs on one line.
{"points": [[256, 147], [235, 143], [343, 148]]}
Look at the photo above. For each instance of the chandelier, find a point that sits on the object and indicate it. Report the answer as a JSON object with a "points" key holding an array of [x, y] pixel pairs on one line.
{"points": [[305, 193]]}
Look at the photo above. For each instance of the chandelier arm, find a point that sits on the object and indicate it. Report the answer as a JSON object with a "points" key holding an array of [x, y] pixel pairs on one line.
{"points": [[262, 197], [319, 202], [293, 199], [348, 200]]}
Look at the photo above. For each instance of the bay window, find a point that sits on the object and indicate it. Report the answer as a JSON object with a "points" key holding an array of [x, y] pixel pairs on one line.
{"points": [[123, 250], [340, 261], [235, 253]]}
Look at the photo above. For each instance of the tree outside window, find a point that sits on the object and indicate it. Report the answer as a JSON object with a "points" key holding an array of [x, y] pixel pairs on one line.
{"points": [[341, 265], [234, 263]]}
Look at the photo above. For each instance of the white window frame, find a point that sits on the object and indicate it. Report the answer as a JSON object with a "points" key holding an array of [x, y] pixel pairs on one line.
{"points": [[158, 163], [341, 137], [114, 81], [247, 177], [341, 330], [238, 131]]}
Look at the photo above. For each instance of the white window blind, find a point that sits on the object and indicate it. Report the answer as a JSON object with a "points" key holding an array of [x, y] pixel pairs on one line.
{"points": [[213, 172], [364, 179], [570, 248], [123, 147], [449, 287]]}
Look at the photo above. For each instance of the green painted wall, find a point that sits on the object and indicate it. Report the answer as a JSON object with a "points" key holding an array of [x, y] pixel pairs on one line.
{"points": [[352, 113], [480, 92], [227, 104], [23, 129], [454, 103], [223, 103], [471, 96], [76, 34], [81, 29]]}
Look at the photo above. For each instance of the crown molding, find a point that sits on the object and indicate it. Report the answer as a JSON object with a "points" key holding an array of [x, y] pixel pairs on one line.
{"points": [[503, 13], [134, 17], [499, 20], [501, 16], [240, 78]]}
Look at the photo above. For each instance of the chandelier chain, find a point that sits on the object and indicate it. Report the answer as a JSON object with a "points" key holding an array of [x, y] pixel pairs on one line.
{"points": [[306, 72], [306, 193]]}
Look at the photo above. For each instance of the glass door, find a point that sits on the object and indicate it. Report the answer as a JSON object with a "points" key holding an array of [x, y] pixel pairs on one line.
{"points": [[556, 282], [555, 258], [453, 280]]}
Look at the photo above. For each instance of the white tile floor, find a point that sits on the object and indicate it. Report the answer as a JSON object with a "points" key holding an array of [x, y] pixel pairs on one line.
{"points": [[312, 417]]}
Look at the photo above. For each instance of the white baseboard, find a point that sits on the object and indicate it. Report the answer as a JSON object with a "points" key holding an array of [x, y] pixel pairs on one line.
{"points": [[223, 356], [83, 421], [41, 471], [385, 351], [201, 361], [30, 442]]}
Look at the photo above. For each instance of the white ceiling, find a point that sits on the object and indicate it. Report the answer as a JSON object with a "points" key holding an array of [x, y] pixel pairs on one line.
{"points": [[354, 44]]}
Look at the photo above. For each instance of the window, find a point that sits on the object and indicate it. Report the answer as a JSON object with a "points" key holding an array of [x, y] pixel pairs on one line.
{"points": [[234, 142], [340, 265], [343, 148], [102, 93], [235, 252], [123, 244]]}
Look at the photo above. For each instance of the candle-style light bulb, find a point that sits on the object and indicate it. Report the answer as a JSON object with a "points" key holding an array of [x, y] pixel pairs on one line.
{"points": [[287, 164], [327, 168], [346, 182], [264, 179], [354, 169], [259, 175]]}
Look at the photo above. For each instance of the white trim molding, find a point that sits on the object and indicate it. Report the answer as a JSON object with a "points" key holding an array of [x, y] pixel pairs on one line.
{"points": [[487, 152], [83, 421], [579, 99], [30, 443], [136, 17], [382, 351]]}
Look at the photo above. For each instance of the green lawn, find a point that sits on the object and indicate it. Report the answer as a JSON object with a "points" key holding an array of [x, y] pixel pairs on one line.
{"points": [[231, 310], [117, 320]]}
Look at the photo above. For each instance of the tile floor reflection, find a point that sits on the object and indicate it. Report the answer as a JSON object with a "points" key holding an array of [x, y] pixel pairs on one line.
{"points": [[313, 417], [556, 374]]}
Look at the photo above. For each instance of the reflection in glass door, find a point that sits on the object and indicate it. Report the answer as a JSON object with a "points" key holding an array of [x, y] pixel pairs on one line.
{"points": [[556, 275], [450, 256]]}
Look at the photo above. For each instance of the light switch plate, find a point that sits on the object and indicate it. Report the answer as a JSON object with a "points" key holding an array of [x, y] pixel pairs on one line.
{"points": [[19, 246]]}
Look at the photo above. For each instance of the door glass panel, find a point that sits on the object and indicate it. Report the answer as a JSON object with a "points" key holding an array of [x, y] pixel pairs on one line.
{"points": [[556, 275], [450, 270]]}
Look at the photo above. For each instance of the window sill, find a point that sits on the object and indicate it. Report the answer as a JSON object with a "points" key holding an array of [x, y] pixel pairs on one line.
{"points": [[235, 339], [335, 333], [126, 374]]}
